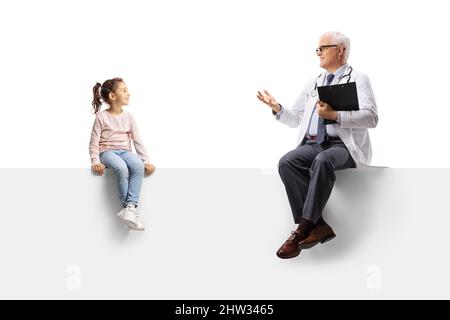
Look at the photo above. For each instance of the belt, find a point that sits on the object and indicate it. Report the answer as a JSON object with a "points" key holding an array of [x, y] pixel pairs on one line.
{"points": [[314, 138]]}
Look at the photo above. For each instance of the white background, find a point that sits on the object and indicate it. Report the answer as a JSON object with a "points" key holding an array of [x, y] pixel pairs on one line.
{"points": [[193, 68]]}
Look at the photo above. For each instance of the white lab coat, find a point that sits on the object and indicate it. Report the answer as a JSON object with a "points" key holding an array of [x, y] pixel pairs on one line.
{"points": [[352, 126]]}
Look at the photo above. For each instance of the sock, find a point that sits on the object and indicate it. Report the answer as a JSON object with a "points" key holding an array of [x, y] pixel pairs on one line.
{"points": [[305, 227], [321, 221]]}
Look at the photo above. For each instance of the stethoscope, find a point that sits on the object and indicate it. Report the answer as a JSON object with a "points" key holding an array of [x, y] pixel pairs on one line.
{"points": [[314, 91]]}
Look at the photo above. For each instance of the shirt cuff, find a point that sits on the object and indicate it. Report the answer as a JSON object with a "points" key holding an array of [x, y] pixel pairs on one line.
{"points": [[95, 160], [279, 113]]}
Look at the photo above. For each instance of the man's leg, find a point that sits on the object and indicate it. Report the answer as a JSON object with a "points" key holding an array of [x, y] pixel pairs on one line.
{"points": [[294, 171], [335, 157]]}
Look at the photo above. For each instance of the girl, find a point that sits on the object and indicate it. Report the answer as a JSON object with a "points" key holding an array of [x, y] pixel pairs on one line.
{"points": [[110, 146]]}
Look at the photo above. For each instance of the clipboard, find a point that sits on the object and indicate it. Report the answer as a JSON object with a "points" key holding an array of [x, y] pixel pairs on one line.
{"points": [[341, 97]]}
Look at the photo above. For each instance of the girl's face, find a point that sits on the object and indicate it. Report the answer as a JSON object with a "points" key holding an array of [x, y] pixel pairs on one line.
{"points": [[121, 95]]}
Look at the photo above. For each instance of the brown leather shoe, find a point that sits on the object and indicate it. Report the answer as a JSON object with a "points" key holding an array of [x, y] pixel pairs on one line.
{"points": [[321, 233], [290, 248]]}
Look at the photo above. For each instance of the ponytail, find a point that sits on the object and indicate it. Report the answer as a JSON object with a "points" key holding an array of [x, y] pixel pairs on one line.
{"points": [[96, 102]]}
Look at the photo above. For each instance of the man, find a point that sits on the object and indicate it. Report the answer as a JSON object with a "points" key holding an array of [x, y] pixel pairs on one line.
{"points": [[308, 172]]}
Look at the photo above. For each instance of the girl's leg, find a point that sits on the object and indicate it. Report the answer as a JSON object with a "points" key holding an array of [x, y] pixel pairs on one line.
{"points": [[136, 168], [112, 159]]}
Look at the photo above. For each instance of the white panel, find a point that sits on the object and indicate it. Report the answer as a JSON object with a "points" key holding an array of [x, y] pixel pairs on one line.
{"points": [[213, 233]]}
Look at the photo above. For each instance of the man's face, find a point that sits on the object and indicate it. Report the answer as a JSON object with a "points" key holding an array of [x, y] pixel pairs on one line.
{"points": [[328, 55]]}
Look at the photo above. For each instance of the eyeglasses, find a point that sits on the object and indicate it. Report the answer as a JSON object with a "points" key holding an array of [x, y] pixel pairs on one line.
{"points": [[322, 48]]}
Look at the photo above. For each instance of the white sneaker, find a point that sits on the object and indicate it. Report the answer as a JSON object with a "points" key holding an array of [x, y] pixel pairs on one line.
{"points": [[139, 225], [125, 216], [131, 218]]}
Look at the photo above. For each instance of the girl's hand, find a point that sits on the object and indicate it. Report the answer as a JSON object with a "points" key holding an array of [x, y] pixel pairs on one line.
{"points": [[149, 169], [98, 168]]}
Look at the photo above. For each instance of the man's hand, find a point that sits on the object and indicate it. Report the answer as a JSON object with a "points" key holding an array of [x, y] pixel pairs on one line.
{"points": [[325, 111], [149, 169], [98, 168], [268, 99]]}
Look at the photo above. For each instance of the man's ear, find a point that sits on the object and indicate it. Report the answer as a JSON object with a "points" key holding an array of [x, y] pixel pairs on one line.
{"points": [[341, 51]]}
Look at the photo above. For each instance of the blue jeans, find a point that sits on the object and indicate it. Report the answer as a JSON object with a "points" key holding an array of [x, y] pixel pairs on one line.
{"points": [[129, 169]]}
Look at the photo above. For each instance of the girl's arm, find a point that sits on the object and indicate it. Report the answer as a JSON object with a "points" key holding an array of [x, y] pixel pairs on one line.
{"points": [[140, 148], [94, 142], [138, 144]]}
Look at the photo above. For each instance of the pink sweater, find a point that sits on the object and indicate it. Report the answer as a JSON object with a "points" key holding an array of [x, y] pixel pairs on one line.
{"points": [[114, 132]]}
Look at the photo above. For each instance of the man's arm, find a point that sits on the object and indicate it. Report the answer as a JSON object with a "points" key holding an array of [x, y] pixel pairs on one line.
{"points": [[367, 115], [292, 116]]}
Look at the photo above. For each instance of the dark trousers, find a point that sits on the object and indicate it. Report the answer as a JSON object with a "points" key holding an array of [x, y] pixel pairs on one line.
{"points": [[308, 174]]}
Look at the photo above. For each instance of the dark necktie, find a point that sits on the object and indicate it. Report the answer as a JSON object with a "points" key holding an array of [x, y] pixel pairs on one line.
{"points": [[321, 126]]}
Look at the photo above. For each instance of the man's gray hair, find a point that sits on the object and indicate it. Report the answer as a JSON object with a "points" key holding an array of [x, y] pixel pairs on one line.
{"points": [[341, 39]]}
